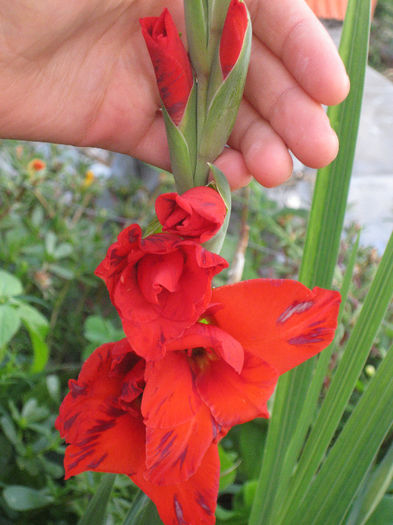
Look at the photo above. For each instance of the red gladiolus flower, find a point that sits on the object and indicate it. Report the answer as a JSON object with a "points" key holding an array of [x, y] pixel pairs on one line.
{"points": [[159, 285], [197, 214], [170, 61], [221, 374], [101, 420], [232, 37]]}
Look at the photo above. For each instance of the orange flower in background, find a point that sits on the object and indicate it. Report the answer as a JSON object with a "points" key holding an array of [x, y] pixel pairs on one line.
{"points": [[197, 214], [170, 61], [89, 179], [36, 165], [160, 285], [101, 420]]}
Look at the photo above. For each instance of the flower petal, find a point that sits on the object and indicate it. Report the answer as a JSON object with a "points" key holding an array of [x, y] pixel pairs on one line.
{"points": [[236, 398], [175, 454], [213, 339], [281, 321], [94, 422], [191, 502], [169, 398], [111, 444]]}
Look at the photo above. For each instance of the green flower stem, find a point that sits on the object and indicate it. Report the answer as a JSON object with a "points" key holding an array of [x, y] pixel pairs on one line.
{"points": [[201, 169]]}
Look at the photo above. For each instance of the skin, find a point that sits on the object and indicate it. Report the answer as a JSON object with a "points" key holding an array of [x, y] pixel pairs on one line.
{"points": [[78, 72]]}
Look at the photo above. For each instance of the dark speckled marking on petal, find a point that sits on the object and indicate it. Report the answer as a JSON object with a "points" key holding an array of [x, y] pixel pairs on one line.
{"points": [[76, 389], [294, 308], [70, 421], [178, 511], [80, 458], [97, 462], [202, 503]]}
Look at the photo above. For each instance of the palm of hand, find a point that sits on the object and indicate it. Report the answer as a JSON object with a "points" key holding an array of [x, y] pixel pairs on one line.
{"points": [[79, 73]]}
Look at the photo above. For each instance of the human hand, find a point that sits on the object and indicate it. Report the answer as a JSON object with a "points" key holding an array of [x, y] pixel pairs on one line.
{"points": [[79, 73]]}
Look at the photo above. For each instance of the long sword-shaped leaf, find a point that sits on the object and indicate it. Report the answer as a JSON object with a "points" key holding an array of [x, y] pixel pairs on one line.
{"points": [[142, 512], [343, 382], [322, 245], [347, 463], [375, 487], [96, 509], [311, 401]]}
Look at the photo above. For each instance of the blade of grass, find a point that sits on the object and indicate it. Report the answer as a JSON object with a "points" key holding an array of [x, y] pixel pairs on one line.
{"points": [[343, 383], [96, 509], [338, 481], [320, 255]]}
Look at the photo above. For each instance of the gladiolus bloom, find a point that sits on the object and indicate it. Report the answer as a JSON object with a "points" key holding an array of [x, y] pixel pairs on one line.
{"points": [[159, 421], [221, 374], [170, 61], [233, 33], [197, 214], [101, 420], [160, 285]]}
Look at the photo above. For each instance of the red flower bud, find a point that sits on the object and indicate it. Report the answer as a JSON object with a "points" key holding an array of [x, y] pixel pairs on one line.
{"points": [[232, 37], [198, 214], [170, 61]]}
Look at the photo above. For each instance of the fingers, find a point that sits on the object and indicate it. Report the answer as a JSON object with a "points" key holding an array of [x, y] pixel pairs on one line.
{"points": [[292, 32], [295, 117], [265, 154]]}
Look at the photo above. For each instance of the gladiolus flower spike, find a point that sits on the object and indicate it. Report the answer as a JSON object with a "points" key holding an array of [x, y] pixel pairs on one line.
{"points": [[175, 410]]}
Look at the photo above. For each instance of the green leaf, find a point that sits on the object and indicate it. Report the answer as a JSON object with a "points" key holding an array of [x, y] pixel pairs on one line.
{"points": [[377, 483], [33, 318], [37, 326], [60, 271], [63, 250], [383, 513], [319, 259], [50, 243], [9, 323], [9, 429], [344, 379], [22, 498], [182, 144], [309, 408], [96, 509], [142, 511], [32, 412], [9, 285], [337, 482], [99, 330], [228, 468]]}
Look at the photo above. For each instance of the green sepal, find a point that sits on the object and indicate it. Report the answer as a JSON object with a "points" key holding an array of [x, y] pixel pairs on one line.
{"points": [[182, 144], [224, 97], [153, 227], [220, 183], [195, 12]]}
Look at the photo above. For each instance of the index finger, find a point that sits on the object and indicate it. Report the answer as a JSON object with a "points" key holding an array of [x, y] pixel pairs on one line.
{"points": [[294, 34]]}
